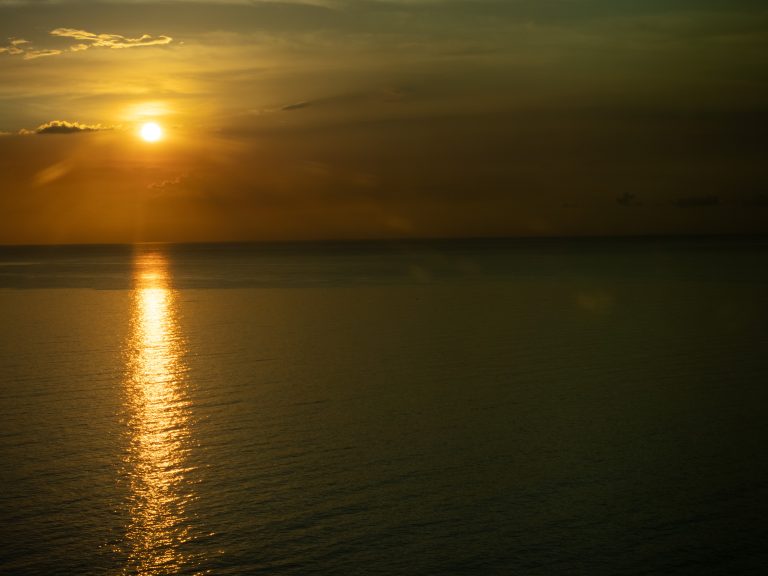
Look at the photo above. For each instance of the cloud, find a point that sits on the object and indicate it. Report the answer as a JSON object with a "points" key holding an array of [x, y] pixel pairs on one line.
{"points": [[108, 40], [323, 3], [757, 200], [23, 48], [168, 185], [32, 54], [296, 106], [347, 99], [64, 127], [52, 173], [627, 199], [14, 47], [697, 201]]}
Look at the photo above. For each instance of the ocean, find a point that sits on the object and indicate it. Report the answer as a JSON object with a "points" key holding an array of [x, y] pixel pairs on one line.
{"points": [[489, 407]]}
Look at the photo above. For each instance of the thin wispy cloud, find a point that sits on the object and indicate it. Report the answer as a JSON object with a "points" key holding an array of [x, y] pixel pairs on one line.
{"points": [[108, 40], [296, 106], [23, 48], [32, 54], [169, 184], [86, 40], [208, 2]]}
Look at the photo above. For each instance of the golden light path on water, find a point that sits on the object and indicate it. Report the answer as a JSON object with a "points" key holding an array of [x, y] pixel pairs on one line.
{"points": [[158, 424]]}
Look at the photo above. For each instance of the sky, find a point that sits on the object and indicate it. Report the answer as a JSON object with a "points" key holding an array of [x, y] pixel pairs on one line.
{"points": [[345, 119]]}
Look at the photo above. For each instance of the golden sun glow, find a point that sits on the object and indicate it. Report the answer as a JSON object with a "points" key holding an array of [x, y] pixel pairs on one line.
{"points": [[159, 433], [151, 132]]}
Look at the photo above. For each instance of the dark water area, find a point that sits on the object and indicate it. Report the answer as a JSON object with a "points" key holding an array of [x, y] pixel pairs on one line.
{"points": [[591, 406]]}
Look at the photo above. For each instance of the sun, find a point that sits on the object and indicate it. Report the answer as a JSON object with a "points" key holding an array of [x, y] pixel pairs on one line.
{"points": [[151, 132]]}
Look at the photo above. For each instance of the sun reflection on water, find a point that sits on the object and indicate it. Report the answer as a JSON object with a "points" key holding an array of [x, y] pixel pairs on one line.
{"points": [[158, 423]]}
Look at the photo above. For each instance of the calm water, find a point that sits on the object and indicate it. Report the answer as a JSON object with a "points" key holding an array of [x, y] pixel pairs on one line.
{"points": [[488, 407]]}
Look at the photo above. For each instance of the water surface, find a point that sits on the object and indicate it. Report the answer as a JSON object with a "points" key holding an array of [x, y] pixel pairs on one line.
{"points": [[476, 407]]}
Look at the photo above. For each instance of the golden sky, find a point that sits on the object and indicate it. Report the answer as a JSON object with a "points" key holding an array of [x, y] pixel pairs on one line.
{"points": [[379, 119]]}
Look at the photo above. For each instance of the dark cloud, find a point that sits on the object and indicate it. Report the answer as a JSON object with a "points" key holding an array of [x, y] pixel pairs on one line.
{"points": [[628, 199], [64, 127], [698, 201], [757, 200], [297, 106]]}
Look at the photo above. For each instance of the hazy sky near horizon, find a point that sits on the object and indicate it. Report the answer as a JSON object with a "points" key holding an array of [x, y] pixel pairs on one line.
{"points": [[391, 118]]}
